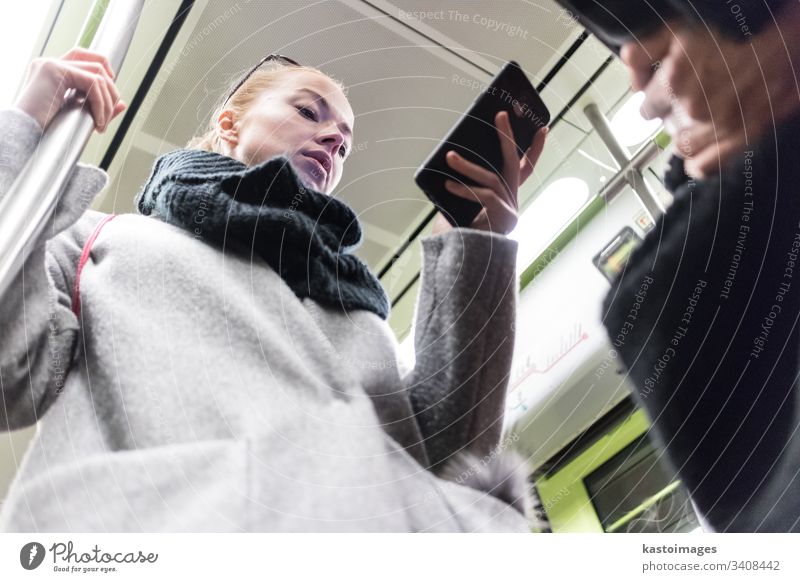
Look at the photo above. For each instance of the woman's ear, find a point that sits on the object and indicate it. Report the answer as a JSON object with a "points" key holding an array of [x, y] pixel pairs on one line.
{"points": [[227, 127]]}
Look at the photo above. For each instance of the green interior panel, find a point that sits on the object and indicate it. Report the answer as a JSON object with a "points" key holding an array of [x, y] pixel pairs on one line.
{"points": [[563, 494]]}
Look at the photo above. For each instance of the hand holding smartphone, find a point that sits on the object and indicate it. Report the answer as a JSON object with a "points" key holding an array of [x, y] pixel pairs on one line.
{"points": [[486, 143]]}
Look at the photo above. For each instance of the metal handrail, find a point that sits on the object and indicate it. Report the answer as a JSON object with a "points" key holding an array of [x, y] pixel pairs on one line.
{"points": [[29, 204], [632, 173]]}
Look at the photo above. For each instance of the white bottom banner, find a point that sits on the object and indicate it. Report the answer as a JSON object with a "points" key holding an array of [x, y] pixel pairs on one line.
{"points": [[398, 557]]}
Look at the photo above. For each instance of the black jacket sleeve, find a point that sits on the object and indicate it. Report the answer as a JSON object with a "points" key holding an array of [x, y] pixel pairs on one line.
{"points": [[706, 320]]}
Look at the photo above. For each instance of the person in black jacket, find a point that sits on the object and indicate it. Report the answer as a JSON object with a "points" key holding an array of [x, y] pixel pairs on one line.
{"points": [[713, 349]]}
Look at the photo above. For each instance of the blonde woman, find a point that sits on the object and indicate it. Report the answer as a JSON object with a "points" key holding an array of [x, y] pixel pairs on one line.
{"points": [[220, 361]]}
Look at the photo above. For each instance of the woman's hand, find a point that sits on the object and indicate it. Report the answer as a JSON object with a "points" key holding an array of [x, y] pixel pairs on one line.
{"points": [[497, 193], [86, 71]]}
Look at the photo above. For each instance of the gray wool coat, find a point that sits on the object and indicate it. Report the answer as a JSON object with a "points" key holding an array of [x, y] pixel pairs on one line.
{"points": [[196, 392]]}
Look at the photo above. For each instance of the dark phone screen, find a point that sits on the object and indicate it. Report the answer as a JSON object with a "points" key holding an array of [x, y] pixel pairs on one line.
{"points": [[475, 138]]}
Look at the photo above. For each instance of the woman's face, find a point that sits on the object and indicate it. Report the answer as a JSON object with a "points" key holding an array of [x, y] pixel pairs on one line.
{"points": [[306, 117]]}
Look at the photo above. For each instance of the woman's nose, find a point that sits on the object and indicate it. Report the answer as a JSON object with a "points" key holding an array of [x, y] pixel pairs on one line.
{"points": [[331, 138]]}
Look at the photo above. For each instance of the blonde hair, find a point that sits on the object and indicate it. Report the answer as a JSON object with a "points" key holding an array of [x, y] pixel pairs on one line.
{"points": [[266, 77]]}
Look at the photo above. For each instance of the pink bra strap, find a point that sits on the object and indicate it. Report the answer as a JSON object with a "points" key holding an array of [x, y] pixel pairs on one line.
{"points": [[76, 288]]}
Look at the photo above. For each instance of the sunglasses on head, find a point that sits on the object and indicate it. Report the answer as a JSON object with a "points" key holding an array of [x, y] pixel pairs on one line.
{"points": [[272, 57]]}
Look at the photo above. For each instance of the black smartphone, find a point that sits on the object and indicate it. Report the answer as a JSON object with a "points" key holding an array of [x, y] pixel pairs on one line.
{"points": [[475, 138]]}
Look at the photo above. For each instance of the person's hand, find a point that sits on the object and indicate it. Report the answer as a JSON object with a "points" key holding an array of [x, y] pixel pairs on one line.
{"points": [[86, 71], [715, 94], [497, 193]]}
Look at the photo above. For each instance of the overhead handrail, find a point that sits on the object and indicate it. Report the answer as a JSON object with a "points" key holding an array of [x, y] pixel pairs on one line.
{"points": [[30, 201], [632, 173]]}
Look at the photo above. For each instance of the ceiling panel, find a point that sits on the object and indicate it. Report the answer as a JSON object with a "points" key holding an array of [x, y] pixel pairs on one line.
{"points": [[490, 33], [605, 91]]}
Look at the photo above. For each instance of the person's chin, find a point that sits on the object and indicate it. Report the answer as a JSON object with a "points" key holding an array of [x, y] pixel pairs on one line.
{"points": [[310, 175], [312, 183]]}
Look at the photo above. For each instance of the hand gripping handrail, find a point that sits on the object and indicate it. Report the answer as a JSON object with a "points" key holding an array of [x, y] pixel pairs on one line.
{"points": [[31, 199]]}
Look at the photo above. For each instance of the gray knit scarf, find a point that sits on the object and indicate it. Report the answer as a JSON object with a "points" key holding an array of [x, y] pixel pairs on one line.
{"points": [[305, 236]]}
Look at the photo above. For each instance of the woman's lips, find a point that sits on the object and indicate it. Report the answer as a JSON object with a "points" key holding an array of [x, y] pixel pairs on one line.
{"points": [[318, 173]]}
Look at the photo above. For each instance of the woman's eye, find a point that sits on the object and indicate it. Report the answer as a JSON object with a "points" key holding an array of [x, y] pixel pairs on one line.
{"points": [[306, 112]]}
